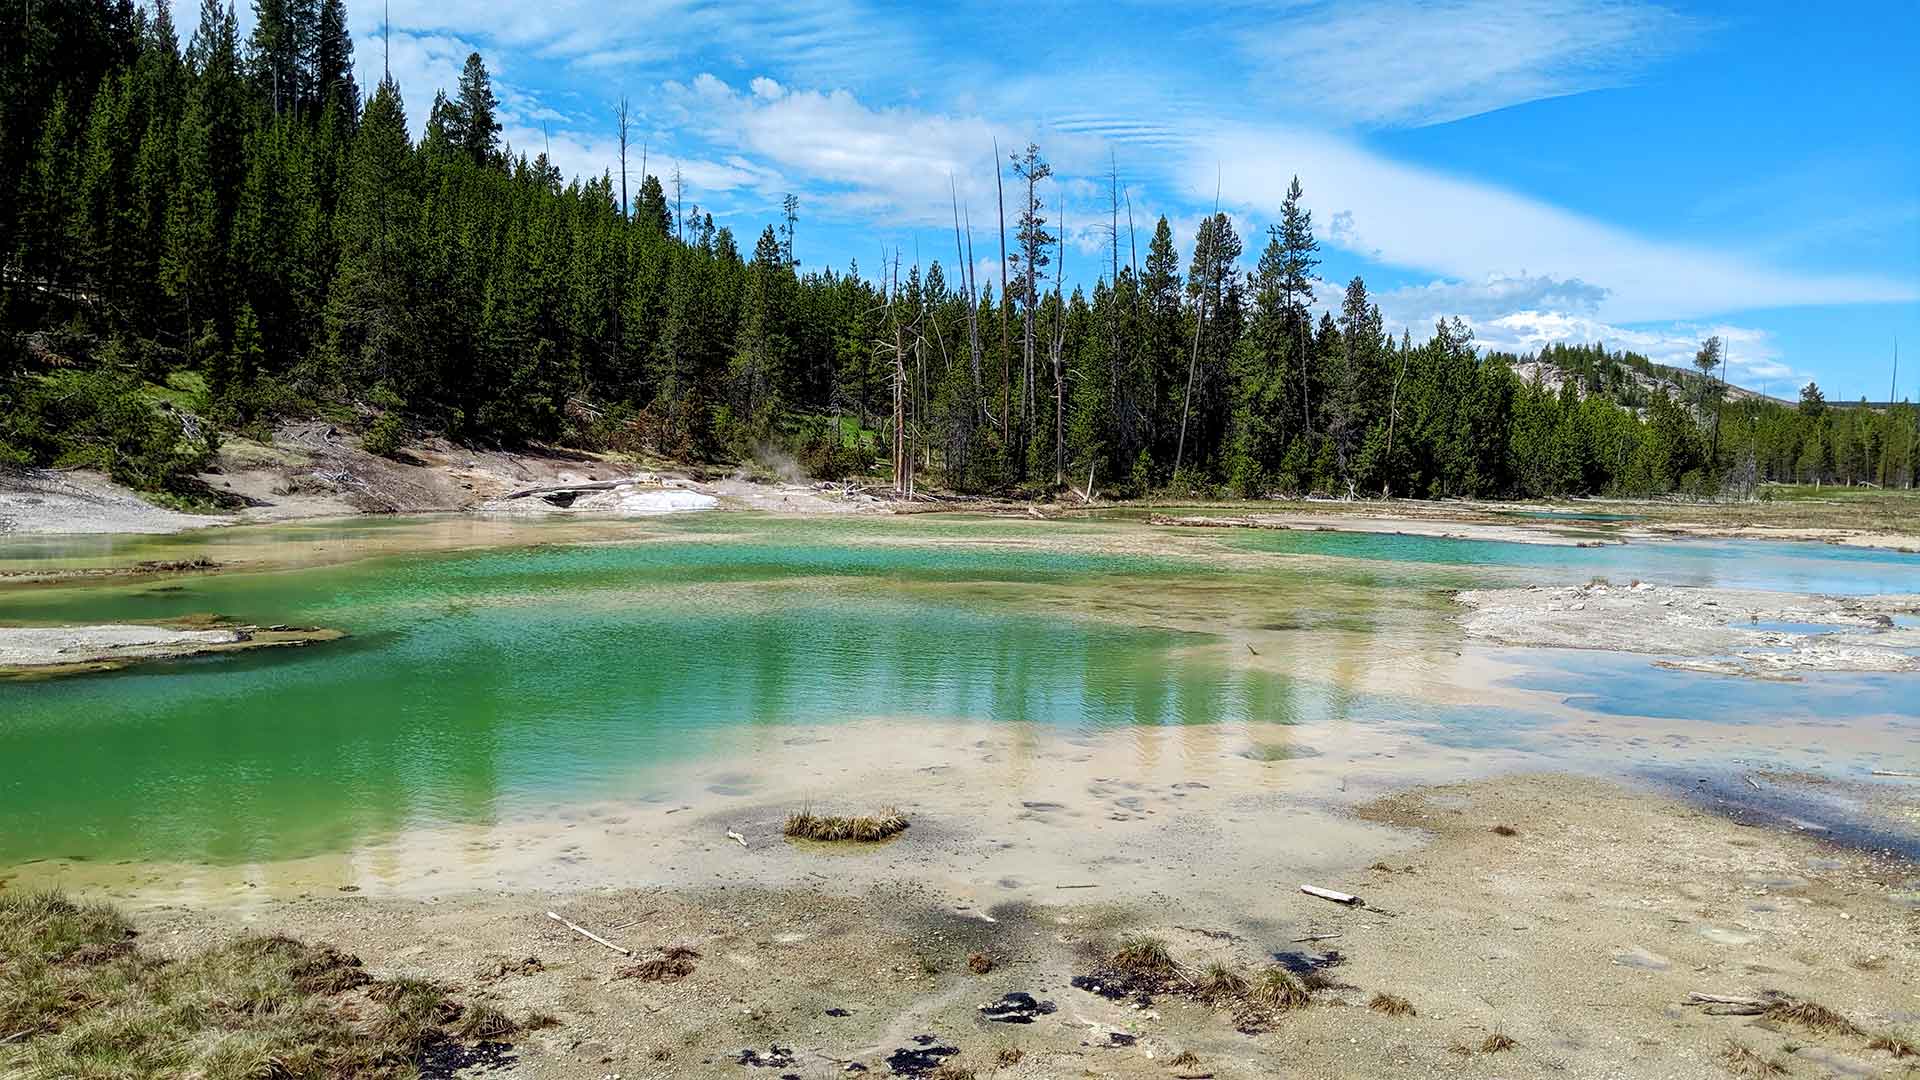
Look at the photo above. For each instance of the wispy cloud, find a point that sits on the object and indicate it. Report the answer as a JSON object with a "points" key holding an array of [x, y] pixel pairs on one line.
{"points": [[1401, 62], [1417, 218]]}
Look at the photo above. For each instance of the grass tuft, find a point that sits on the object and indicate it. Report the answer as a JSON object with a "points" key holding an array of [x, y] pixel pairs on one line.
{"points": [[1496, 1042], [485, 1021], [1741, 1061], [1812, 1016], [1275, 988], [1894, 1045], [78, 999], [979, 963], [1221, 983], [673, 963], [1009, 1056], [1142, 955], [1391, 1004], [866, 828], [1184, 1057]]}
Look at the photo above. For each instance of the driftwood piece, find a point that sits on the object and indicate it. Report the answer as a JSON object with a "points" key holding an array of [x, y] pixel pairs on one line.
{"points": [[1314, 937], [1897, 772], [584, 932], [1697, 998], [1328, 894], [1728, 1004], [731, 835], [585, 485]]}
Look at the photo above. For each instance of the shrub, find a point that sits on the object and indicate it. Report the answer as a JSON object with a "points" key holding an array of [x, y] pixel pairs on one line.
{"points": [[385, 436]]}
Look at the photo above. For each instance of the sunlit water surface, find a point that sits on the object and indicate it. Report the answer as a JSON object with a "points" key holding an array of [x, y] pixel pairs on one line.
{"points": [[497, 671]]}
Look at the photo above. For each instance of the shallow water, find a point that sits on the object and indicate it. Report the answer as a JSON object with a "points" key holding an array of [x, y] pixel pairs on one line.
{"points": [[1738, 564], [501, 673]]}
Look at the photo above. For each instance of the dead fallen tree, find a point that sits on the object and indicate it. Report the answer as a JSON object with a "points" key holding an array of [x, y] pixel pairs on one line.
{"points": [[582, 486]]}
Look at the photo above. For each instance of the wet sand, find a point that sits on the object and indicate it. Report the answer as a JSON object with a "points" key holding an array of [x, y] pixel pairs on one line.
{"points": [[40, 651], [1723, 631], [1579, 937]]}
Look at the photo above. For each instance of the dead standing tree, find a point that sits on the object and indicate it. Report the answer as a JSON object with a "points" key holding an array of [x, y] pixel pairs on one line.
{"points": [[1057, 348], [623, 126], [1204, 240], [1006, 361], [902, 332]]}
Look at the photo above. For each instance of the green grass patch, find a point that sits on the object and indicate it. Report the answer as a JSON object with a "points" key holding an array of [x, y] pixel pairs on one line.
{"points": [[79, 999]]}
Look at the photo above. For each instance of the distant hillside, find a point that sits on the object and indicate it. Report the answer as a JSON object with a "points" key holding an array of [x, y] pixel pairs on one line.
{"points": [[1626, 378]]}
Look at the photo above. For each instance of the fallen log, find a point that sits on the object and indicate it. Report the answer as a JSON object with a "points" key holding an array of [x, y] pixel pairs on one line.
{"points": [[584, 932], [586, 485], [1697, 998], [1328, 894]]}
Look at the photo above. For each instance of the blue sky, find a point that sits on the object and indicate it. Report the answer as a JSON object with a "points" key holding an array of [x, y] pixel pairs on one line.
{"points": [[1608, 170]]}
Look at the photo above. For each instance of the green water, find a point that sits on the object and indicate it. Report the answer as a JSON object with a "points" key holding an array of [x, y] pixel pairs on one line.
{"points": [[480, 686]]}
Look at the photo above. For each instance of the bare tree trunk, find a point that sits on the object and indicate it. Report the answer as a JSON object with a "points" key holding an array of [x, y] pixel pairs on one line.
{"points": [[1006, 360], [624, 125], [1393, 414], [1059, 349], [1193, 361], [901, 466], [966, 287]]}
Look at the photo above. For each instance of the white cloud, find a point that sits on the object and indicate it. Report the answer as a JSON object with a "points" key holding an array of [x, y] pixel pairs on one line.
{"points": [[1495, 295], [1407, 62], [1418, 218], [858, 160], [1753, 357]]}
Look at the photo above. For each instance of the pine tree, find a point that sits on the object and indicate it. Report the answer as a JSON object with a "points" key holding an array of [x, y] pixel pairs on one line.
{"points": [[472, 125], [1297, 263], [332, 64]]}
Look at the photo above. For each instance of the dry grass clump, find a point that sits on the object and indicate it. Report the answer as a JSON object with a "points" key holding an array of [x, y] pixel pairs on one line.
{"points": [[866, 828], [1009, 1056], [1813, 1016], [1741, 1061], [950, 1071], [1144, 956], [485, 1021], [673, 963], [1505, 830], [1496, 1042], [1894, 1045], [1184, 1057], [1391, 1004], [416, 1010], [1276, 989], [499, 967], [1221, 983], [979, 963], [77, 998]]}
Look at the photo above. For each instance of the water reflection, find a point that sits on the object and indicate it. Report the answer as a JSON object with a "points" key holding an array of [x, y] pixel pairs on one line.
{"points": [[487, 711]]}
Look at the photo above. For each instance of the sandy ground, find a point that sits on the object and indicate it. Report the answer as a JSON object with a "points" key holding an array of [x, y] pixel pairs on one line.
{"points": [[1732, 631], [312, 470], [1881, 520], [45, 501], [1579, 937], [1410, 523]]}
